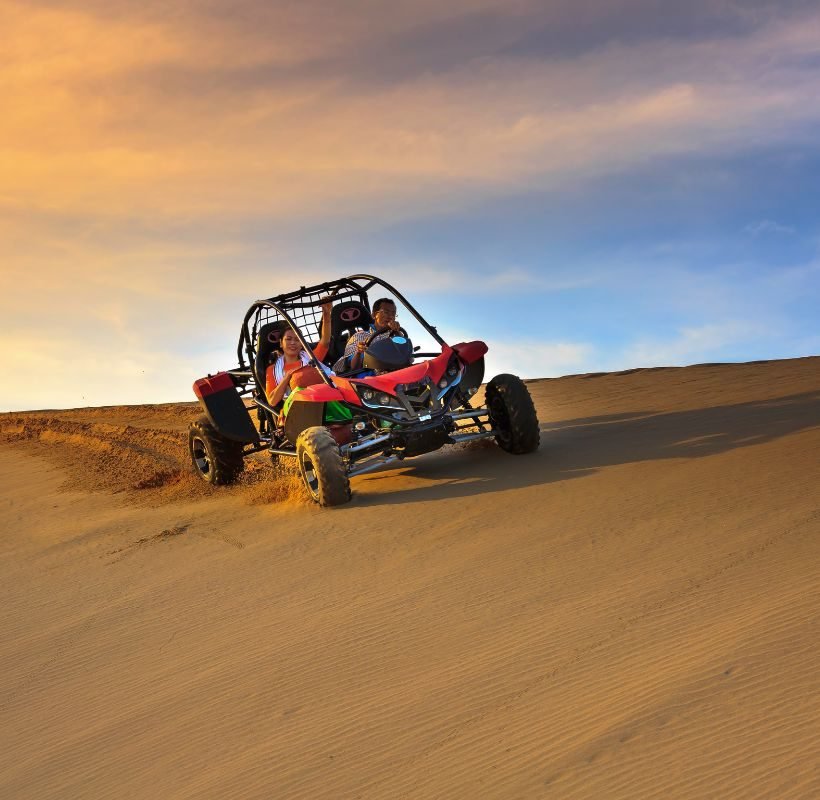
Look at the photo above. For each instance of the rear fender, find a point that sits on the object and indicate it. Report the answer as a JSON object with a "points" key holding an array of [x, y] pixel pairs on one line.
{"points": [[224, 408]]}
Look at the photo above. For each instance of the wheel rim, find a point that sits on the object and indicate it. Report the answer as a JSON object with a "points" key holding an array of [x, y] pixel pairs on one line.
{"points": [[201, 457], [310, 476]]}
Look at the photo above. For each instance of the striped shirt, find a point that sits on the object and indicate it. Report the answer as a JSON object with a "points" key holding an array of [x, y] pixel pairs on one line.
{"points": [[343, 364]]}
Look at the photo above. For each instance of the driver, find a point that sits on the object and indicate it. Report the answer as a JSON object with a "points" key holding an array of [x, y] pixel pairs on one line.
{"points": [[384, 320]]}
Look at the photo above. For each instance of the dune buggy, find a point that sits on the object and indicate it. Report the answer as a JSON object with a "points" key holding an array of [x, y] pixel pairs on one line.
{"points": [[401, 403]]}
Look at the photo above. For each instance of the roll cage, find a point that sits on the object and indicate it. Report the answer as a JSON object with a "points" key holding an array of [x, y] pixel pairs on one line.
{"points": [[301, 310]]}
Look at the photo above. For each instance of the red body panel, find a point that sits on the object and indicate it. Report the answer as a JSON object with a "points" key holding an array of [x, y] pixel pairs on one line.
{"points": [[306, 376], [469, 352], [319, 393], [348, 392], [434, 369], [213, 384]]}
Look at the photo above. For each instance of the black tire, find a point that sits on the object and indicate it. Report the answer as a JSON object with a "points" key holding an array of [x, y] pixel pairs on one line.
{"points": [[512, 415], [215, 459], [321, 467]]}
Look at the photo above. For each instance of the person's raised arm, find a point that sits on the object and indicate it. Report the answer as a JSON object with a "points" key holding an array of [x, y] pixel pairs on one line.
{"points": [[322, 348], [327, 309]]}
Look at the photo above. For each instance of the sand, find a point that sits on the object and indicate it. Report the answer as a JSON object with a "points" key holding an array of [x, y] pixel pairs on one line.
{"points": [[632, 611]]}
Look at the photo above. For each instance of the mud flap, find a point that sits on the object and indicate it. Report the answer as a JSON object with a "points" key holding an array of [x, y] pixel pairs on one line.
{"points": [[224, 408]]}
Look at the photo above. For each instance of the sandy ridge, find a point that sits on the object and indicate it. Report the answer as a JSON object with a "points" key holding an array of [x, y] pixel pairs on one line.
{"points": [[630, 612]]}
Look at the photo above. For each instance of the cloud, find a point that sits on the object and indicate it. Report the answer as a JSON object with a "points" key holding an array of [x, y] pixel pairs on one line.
{"points": [[695, 344], [87, 130], [533, 358], [145, 155], [498, 282], [767, 226], [54, 371]]}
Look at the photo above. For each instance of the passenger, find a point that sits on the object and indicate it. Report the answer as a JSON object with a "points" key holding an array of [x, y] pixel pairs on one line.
{"points": [[293, 358], [384, 319]]}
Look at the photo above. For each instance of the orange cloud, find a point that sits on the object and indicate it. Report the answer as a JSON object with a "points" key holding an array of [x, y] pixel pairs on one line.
{"points": [[114, 114], [91, 128]]}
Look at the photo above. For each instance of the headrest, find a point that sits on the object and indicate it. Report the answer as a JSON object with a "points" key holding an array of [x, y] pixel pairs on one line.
{"points": [[345, 319], [349, 316], [267, 341], [270, 335]]}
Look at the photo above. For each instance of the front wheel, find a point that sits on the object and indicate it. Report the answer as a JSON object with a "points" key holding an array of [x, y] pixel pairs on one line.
{"points": [[215, 459], [512, 415], [322, 467]]}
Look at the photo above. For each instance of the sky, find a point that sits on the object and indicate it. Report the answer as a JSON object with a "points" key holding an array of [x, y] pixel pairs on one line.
{"points": [[587, 186]]}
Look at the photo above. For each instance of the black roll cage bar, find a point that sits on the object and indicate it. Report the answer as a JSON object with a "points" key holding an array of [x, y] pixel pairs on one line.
{"points": [[344, 287]]}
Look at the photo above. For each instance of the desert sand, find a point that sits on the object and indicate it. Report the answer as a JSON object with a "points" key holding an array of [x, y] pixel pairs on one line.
{"points": [[631, 612]]}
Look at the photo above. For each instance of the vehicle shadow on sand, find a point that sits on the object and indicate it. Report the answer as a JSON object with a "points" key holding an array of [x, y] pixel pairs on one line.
{"points": [[579, 447]]}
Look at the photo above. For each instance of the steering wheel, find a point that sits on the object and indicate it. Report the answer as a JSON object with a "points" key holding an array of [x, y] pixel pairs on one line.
{"points": [[379, 331]]}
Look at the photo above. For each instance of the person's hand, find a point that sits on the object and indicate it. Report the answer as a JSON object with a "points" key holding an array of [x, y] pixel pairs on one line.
{"points": [[361, 347], [393, 325], [327, 302]]}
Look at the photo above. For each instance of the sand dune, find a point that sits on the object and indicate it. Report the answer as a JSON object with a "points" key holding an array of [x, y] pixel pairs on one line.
{"points": [[630, 612]]}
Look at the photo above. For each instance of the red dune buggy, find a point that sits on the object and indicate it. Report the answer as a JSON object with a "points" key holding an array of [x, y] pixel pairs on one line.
{"points": [[401, 403]]}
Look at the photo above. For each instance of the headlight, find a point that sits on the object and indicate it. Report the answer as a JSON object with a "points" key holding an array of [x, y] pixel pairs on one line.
{"points": [[375, 399], [452, 374]]}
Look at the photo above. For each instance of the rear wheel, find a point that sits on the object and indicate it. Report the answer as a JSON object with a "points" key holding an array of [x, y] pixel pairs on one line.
{"points": [[512, 415], [215, 459], [322, 467]]}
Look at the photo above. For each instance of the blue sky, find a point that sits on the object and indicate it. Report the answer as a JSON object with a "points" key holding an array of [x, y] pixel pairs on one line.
{"points": [[588, 186]]}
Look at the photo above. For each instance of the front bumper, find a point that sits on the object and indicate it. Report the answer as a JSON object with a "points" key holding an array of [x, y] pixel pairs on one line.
{"points": [[407, 439]]}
